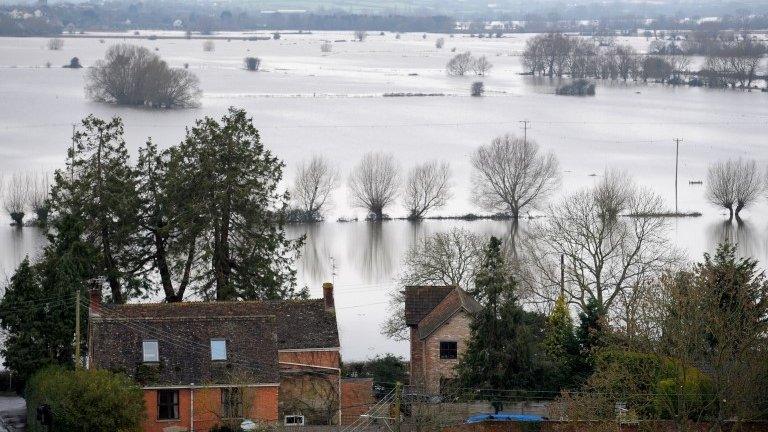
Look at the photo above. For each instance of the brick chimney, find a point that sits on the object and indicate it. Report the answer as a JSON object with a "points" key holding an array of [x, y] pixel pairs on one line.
{"points": [[95, 287], [328, 295]]}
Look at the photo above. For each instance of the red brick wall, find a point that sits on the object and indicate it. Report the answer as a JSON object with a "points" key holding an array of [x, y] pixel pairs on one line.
{"points": [[314, 358], [454, 330], [260, 401], [417, 358], [356, 398]]}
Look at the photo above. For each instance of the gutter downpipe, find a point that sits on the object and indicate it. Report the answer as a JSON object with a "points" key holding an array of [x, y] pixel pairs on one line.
{"points": [[192, 408]]}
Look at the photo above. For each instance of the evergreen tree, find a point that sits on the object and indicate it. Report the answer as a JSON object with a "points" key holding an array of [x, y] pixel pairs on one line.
{"points": [[591, 335], [225, 184], [561, 347], [98, 188], [504, 339]]}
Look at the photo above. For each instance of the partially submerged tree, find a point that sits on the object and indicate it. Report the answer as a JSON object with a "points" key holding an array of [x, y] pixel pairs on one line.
{"points": [[439, 43], [55, 44], [478, 88], [208, 46], [38, 197], [315, 181], [133, 75], [481, 66], [442, 258], [460, 64], [17, 195], [734, 184], [252, 63], [512, 175], [374, 183], [360, 35], [326, 47], [427, 187]]}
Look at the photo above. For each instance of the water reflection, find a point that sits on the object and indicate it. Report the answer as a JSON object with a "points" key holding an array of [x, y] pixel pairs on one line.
{"points": [[737, 231]]}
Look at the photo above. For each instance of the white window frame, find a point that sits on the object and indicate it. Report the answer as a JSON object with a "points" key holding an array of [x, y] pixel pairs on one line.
{"points": [[296, 416], [146, 358], [213, 357]]}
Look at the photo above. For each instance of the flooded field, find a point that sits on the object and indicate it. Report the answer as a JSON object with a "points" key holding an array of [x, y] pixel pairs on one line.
{"points": [[333, 104]]}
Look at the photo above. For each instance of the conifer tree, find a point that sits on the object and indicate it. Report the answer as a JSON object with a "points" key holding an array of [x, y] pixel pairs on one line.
{"points": [[561, 346], [502, 350]]}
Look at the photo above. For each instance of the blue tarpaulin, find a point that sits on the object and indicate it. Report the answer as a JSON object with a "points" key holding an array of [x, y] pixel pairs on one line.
{"points": [[477, 418]]}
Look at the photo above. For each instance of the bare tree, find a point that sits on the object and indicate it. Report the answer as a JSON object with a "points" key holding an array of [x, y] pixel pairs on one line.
{"points": [[361, 35], [614, 193], [208, 46], [326, 47], [734, 184], [313, 185], [38, 196], [17, 197], [427, 187], [374, 183], [133, 75], [252, 63], [55, 44], [443, 258], [511, 175], [439, 43], [460, 64], [481, 65], [604, 256]]}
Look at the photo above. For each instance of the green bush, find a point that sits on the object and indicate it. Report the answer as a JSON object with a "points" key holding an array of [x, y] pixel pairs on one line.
{"points": [[85, 400], [693, 398]]}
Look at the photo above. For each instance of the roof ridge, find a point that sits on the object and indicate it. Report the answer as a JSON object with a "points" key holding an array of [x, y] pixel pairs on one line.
{"points": [[212, 302]]}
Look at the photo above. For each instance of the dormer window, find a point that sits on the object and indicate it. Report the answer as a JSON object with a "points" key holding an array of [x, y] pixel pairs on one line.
{"points": [[150, 349], [218, 349]]}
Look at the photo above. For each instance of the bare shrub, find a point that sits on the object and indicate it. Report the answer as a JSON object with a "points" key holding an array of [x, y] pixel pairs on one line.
{"points": [[427, 187], [361, 35], [481, 66], [511, 175], [460, 64], [17, 197], [209, 46], [439, 43], [55, 44], [313, 185], [133, 75], [252, 63], [734, 185], [374, 183]]}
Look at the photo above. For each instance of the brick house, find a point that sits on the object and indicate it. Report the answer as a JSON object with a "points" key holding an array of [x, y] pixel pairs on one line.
{"points": [[202, 364], [438, 318]]}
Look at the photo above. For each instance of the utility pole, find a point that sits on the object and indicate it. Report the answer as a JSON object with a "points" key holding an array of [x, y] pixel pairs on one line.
{"points": [[72, 167], [562, 274], [78, 362], [525, 130], [677, 156]]}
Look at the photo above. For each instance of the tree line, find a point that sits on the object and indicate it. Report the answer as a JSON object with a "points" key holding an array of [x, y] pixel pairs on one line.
{"points": [[733, 63]]}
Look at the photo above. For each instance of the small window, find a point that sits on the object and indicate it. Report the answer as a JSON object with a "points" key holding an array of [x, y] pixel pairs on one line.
{"points": [[218, 349], [151, 352], [231, 403], [294, 420], [167, 404], [448, 350]]}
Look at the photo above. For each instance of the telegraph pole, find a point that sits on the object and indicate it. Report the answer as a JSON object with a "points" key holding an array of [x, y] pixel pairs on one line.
{"points": [[677, 157], [78, 362], [525, 130]]}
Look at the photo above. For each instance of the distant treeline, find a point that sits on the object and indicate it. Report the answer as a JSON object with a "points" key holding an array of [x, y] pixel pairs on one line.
{"points": [[192, 17]]}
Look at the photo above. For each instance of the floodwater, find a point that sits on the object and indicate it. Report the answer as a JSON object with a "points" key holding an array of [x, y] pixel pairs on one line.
{"points": [[306, 102]]}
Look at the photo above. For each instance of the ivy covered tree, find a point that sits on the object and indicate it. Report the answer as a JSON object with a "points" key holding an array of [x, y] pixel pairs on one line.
{"points": [[224, 183], [98, 189], [504, 339], [561, 347]]}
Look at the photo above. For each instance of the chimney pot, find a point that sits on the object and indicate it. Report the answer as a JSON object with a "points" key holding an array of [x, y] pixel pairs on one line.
{"points": [[328, 295]]}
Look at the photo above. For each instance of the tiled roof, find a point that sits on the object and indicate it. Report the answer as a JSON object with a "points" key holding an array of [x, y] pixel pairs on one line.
{"points": [[420, 300], [184, 349], [254, 332], [455, 301], [300, 324]]}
